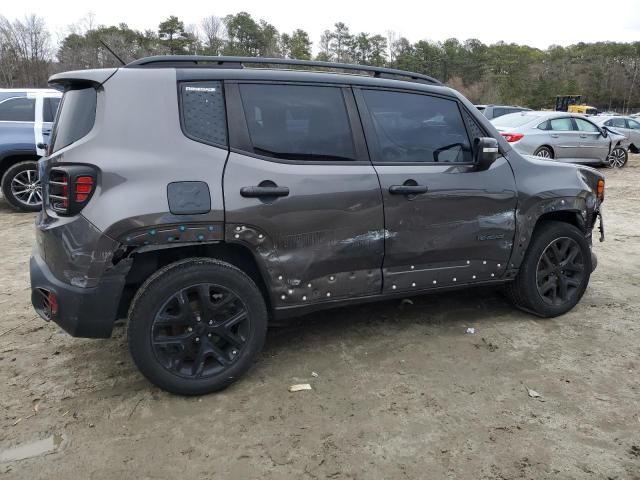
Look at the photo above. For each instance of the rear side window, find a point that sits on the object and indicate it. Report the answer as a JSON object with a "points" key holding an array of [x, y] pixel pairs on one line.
{"points": [[417, 128], [633, 124], [202, 112], [76, 118], [298, 122], [18, 109], [50, 109]]}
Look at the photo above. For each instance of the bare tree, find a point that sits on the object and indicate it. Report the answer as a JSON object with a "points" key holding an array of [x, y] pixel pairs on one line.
{"points": [[214, 34], [25, 52]]}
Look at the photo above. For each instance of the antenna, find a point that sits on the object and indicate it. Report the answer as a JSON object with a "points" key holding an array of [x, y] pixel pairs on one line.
{"points": [[112, 52]]}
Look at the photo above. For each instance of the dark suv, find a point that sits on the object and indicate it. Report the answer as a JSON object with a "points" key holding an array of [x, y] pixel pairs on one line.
{"points": [[200, 198]]}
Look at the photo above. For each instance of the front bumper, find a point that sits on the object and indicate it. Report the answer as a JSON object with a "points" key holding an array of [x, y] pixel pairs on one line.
{"points": [[81, 312]]}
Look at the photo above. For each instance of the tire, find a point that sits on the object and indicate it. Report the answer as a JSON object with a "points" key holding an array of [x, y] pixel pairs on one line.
{"points": [[618, 158], [532, 290], [544, 152], [23, 174], [170, 331]]}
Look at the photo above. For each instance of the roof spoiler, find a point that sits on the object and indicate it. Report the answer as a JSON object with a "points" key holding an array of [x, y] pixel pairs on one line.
{"points": [[95, 78]]}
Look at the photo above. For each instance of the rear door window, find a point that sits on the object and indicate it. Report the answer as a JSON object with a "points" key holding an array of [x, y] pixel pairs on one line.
{"points": [[561, 124], [298, 122], [18, 109], [633, 125], [416, 128], [616, 122], [202, 112], [76, 118]]}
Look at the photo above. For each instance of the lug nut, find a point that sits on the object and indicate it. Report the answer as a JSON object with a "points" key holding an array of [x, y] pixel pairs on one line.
{"points": [[197, 339], [190, 329], [210, 322]]}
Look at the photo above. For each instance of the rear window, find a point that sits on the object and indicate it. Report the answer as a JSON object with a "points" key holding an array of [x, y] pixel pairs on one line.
{"points": [[202, 112], [76, 116], [18, 109], [50, 108], [512, 120], [298, 122]]}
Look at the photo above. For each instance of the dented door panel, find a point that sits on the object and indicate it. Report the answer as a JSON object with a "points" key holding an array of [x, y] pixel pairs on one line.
{"points": [[460, 231], [321, 242]]}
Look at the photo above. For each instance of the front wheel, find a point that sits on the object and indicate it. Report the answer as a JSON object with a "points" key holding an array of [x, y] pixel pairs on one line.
{"points": [[555, 271], [21, 186], [196, 326], [618, 157]]}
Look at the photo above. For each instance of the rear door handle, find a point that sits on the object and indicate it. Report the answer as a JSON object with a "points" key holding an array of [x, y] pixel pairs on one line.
{"points": [[407, 189], [554, 135], [253, 192]]}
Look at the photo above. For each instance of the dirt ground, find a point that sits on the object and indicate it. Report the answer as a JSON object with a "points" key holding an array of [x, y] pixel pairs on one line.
{"points": [[402, 391]]}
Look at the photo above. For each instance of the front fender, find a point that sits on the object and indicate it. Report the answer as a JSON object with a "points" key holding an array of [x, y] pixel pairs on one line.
{"points": [[551, 189]]}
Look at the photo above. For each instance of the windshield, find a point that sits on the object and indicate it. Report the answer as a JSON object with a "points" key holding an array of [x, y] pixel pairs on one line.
{"points": [[76, 116], [512, 120]]}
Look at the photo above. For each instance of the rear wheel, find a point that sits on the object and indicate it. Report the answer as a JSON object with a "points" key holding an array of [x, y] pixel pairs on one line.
{"points": [[618, 157], [196, 326], [21, 186], [555, 271], [544, 152]]}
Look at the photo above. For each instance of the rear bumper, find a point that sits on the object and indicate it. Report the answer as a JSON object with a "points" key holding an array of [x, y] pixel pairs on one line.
{"points": [[82, 312]]}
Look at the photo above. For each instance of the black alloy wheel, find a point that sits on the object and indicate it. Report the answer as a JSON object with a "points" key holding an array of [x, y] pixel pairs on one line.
{"points": [[560, 271]]}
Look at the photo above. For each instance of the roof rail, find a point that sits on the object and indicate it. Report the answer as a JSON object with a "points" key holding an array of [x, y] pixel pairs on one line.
{"points": [[186, 61]]}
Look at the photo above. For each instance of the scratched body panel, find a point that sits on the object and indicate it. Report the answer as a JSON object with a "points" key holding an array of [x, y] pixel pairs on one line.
{"points": [[460, 231], [330, 224]]}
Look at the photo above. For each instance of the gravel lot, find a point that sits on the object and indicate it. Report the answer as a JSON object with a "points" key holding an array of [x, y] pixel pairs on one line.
{"points": [[402, 391]]}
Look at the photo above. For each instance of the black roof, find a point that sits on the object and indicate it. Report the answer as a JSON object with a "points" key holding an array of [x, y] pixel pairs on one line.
{"points": [[199, 61]]}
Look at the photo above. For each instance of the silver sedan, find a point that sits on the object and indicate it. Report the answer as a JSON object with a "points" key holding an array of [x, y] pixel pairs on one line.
{"points": [[627, 126], [564, 137]]}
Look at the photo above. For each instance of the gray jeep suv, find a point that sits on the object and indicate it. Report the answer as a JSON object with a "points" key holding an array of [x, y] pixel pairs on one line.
{"points": [[201, 197]]}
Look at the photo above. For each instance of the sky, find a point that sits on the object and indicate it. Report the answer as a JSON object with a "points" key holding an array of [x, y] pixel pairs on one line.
{"points": [[537, 23]]}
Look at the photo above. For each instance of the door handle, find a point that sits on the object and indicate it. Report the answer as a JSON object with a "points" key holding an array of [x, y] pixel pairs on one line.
{"points": [[554, 135], [253, 192], [46, 132], [584, 136], [407, 189]]}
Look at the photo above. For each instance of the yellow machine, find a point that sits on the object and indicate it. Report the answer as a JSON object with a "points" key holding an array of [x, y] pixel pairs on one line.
{"points": [[571, 103], [584, 109]]}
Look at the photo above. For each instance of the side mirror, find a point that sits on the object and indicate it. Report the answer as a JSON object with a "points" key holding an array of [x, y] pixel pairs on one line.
{"points": [[604, 131], [42, 146], [485, 152]]}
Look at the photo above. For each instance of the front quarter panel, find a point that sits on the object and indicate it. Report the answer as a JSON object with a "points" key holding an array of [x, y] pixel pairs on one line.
{"points": [[548, 187]]}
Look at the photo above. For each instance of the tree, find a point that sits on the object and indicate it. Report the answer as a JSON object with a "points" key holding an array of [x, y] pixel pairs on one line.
{"points": [[341, 42], [213, 29], [25, 52], [174, 37], [297, 45], [325, 46], [243, 35]]}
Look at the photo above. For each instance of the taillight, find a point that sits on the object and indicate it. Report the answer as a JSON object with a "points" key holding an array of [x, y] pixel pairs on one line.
{"points": [[600, 190], [70, 188], [84, 187], [512, 137]]}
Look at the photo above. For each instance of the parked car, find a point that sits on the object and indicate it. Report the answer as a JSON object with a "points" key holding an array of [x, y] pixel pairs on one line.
{"points": [[26, 116], [495, 111], [214, 199], [627, 126], [564, 137]]}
